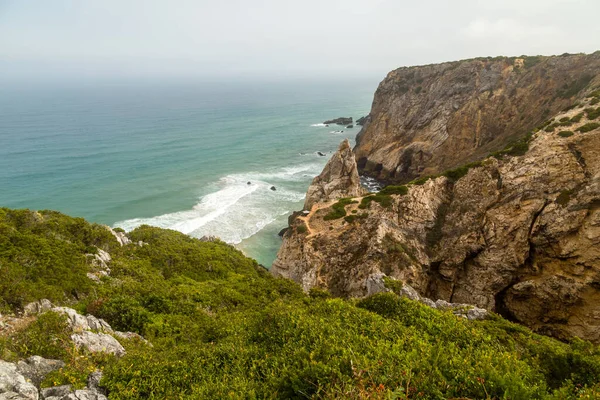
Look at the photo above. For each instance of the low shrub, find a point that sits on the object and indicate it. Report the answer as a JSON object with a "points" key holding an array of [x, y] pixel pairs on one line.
{"points": [[577, 118], [588, 127], [565, 134], [592, 113], [338, 210], [385, 200]]}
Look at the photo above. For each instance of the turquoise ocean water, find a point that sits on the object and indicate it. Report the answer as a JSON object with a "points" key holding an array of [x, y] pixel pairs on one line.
{"points": [[176, 155]]}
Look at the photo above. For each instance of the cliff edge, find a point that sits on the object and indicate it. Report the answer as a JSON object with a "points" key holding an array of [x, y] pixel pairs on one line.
{"points": [[517, 233], [430, 118]]}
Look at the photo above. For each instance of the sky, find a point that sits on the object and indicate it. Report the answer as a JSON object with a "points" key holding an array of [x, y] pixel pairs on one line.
{"points": [[93, 39]]}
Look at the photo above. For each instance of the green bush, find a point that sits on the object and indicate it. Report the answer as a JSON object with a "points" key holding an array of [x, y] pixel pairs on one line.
{"points": [[338, 210], [571, 89], [565, 134], [588, 127], [301, 228], [385, 200], [392, 189], [223, 327], [48, 336], [577, 118], [592, 113]]}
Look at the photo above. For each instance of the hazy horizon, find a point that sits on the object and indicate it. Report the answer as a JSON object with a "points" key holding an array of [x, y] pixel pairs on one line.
{"points": [[268, 39]]}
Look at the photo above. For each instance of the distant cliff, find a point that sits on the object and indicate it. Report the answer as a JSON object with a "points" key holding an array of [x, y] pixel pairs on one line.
{"points": [[430, 118], [517, 233]]}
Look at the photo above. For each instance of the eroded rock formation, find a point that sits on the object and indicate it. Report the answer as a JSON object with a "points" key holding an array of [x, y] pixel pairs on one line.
{"points": [[430, 118], [519, 235], [338, 179]]}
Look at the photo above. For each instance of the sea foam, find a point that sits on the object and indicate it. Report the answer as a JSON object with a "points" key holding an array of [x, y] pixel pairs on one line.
{"points": [[236, 210]]}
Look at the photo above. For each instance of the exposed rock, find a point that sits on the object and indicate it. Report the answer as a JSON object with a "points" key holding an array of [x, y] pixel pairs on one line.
{"points": [[428, 119], [56, 392], [282, 232], [35, 368], [13, 396], [519, 235], [120, 236], [321, 154], [273, 188], [93, 381], [362, 120], [37, 307], [78, 322], [376, 284], [339, 121], [350, 126], [338, 179], [99, 261], [85, 394], [131, 336], [13, 385], [98, 343]]}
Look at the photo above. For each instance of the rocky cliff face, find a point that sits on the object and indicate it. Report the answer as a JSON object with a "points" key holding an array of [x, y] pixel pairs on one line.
{"points": [[427, 119], [338, 179], [517, 234]]}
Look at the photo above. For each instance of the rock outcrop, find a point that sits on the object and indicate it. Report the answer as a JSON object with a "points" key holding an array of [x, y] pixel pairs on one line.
{"points": [[516, 234], [21, 381], [430, 118], [338, 179], [339, 121]]}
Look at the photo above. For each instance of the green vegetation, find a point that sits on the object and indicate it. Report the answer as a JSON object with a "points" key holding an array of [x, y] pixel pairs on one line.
{"points": [[394, 189], [339, 209], [564, 197], [355, 217], [565, 134], [222, 327], [384, 199], [588, 127], [37, 261], [531, 61], [577, 118], [570, 90], [592, 113], [301, 228]]}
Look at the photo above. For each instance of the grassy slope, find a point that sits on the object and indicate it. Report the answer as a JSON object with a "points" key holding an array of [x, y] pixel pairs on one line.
{"points": [[222, 327]]}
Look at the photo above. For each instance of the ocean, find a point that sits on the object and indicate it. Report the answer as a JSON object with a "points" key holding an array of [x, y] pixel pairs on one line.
{"points": [[200, 158]]}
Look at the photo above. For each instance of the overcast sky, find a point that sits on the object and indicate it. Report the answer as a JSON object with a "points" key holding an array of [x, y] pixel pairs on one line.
{"points": [[279, 38]]}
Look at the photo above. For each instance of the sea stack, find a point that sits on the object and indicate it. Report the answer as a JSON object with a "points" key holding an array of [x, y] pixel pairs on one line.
{"points": [[338, 179]]}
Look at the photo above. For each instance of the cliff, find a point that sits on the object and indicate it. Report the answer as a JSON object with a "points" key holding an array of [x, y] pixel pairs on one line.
{"points": [[430, 118], [338, 179], [517, 233]]}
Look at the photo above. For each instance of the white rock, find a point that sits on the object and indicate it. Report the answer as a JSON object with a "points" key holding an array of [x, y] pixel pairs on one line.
{"points": [[13, 384], [98, 343]]}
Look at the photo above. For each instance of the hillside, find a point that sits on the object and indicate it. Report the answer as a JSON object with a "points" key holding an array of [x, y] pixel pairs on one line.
{"points": [[517, 233], [427, 119], [219, 326]]}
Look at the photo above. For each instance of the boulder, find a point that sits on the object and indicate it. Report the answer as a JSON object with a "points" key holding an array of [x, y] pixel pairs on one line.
{"points": [[35, 368], [37, 307], [57, 392], [98, 343], [13, 385]]}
